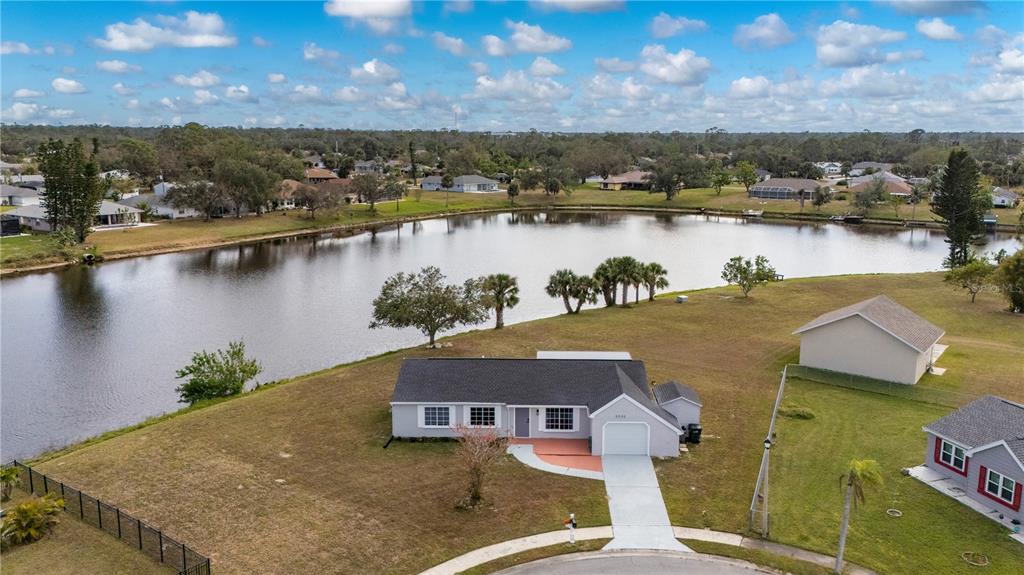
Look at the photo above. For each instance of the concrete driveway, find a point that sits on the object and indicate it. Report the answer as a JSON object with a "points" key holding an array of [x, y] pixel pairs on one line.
{"points": [[639, 517], [638, 562]]}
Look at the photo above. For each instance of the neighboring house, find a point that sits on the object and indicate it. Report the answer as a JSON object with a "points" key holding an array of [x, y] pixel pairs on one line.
{"points": [[18, 196], [365, 167], [115, 174], [20, 179], [859, 168], [1003, 198], [163, 187], [110, 214], [979, 448], [876, 338], [503, 177], [318, 175], [830, 168], [159, 207], [783, 189], [9, 225], [894, 185], [603, 400], [762, 174], [313, 161], [474, 184], [631, 180], [431, 183], [681, 401], [593, 179], [8, 167]]}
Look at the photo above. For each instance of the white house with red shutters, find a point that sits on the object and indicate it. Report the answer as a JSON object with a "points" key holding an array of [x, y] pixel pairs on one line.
{"points": [[976, 454]]}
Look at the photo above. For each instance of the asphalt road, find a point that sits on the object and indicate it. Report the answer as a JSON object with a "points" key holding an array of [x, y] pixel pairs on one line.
{"points": [[633, 563]]}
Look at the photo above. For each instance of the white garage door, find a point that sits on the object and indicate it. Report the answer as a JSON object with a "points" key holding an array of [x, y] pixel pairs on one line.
{"points": [[625, 438]]}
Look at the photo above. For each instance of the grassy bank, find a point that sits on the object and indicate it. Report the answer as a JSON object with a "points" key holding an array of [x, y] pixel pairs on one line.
{"points": [[20, 253], [211, 477]]}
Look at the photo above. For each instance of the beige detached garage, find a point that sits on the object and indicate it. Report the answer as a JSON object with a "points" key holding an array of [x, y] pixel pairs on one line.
{"points": [[876, 338]]}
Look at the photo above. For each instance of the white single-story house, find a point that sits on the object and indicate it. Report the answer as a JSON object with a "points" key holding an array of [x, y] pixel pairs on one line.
{"points": [[18, 196], [605, 401], [631, 180], [830, 168], [467, 184], [162, 188], [876, 338], [431, 183], [859, 168], [159, 206], [1003, 198], [979, 449], [365, 167], [110, 214]]}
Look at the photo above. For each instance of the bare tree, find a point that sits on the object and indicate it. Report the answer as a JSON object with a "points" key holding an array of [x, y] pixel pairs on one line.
{"points": [[480, 448]]}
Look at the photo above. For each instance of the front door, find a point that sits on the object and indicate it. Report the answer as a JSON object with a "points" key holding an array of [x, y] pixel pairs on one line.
{"points": [[522, 422]]}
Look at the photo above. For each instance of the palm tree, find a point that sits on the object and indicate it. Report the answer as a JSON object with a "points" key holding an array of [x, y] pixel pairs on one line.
{"points": [[560, 284], [863, 473], [604, 275], [654, 277], [584, 290], [626, 271], [500, 291]]}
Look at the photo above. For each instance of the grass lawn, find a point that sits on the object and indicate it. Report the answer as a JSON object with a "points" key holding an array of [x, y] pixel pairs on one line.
{"points": [[31, 249], [74, 547], [209, 477], [196, 233]]}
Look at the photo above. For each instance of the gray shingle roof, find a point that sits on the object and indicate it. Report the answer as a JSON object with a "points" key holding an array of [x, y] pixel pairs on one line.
{"points": [[107, 208], [890, 316], [984, 421], [17, 192], [588, 382], [673, 390], [473, 179]]}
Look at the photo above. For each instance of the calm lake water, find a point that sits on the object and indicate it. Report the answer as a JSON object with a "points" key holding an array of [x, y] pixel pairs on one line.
{"points": [[90, 349]]}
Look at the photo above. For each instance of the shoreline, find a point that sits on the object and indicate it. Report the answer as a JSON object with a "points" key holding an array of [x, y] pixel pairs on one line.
{"points": [[354, 229]]}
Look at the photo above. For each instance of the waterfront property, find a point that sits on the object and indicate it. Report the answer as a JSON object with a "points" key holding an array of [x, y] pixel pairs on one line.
{"points": [[876, 338], [466, 184], [632, 180], [18, 195], [783, 188], [975, 454], [894, 185], [159, 206], [110, 214], [1003, 198], [604, 401]]}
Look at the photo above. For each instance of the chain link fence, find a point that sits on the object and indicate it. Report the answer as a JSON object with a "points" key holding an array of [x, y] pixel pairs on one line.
{"points": [[941, 397], [131, 530]]}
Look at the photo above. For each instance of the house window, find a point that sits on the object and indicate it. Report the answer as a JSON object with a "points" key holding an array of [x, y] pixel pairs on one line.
{"points": [[559, 419], [434, 416], [482, 416], [952, 455], [1000, 486]]}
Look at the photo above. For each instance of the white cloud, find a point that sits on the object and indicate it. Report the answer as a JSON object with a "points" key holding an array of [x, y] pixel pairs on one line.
{"points": [[458, 6], [533, 39], [60, 113], [990, 34], [870, 82], [381, 16], [516, 85], [277, 120], [766, 31], [347, 94], [1010, 61], [906, 56], [305, 93], [541, 66], [450, 44], [592, 6], [935, 7], [66, 86], [26, 93], [310, 51], [239, 93], [936, 29], [195, 30], [132, 104], [684, 68], [393, 48], [260, 42], [479, 68], [999, 88], [746, 88], [665, 26], [117, 66], [121, 90], [205, 97], [201, 79], [275, 78], [375, 71], [9, 47], [844, 44], [20, 112], [614, 65], [494, 46]]}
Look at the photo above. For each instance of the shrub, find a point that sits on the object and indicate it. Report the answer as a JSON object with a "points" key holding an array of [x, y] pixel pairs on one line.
{"points": [[8, 479], [796, 412], [32, 520], [218, 374]]}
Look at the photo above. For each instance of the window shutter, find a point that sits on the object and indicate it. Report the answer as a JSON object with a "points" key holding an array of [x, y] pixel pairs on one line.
{"points": [[938, 450], [982, 478], [1016, 496]]}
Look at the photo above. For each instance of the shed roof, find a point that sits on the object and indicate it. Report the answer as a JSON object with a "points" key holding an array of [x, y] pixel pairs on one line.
{"points": [[593, 383], [673, 390], [983, 422], [889, 316]]}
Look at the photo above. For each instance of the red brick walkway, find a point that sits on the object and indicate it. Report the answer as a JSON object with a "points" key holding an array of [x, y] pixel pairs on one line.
{"points": [[572, 453]]}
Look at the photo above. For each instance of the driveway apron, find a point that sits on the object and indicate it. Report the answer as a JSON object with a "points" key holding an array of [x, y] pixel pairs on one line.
{"points": [[639, 517]]}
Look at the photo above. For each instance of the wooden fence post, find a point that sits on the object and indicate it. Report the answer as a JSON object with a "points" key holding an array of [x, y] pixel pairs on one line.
{"points": [[160, 536]]}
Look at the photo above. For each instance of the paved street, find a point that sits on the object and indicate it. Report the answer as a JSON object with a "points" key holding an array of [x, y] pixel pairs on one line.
{"points": [[635, 562]]}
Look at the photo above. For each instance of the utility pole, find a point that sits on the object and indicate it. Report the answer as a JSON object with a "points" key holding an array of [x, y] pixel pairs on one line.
{"points": [[759, 503]]}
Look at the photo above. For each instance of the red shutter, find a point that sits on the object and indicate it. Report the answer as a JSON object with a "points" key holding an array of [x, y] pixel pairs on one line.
{"points": [[938, 450], [1016, 496], [982, 478]]}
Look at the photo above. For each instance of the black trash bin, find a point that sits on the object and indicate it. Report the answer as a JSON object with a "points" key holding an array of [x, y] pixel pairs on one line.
{"points": [[693, 433]]}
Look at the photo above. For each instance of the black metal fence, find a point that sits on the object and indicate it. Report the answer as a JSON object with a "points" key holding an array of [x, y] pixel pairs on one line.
{"points": [[128, 529], [943, 397]]}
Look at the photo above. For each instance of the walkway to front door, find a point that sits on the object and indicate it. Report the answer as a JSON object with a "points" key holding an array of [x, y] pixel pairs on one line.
{"points": [[639, 517]]}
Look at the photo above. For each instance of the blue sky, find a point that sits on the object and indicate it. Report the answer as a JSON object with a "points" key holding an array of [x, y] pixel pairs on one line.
{"points": [[585, 65]]}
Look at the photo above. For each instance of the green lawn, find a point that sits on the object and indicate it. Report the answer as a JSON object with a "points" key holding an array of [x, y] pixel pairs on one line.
{"points": [[348, 505], [35, 248]]}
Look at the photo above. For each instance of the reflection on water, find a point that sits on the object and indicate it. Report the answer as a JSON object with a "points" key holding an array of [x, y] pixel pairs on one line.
{"points": [[88, 349]]}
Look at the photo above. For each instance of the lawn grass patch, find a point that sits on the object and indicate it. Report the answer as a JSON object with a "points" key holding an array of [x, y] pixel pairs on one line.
{"points": [[534, 555], [209, 476]]}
